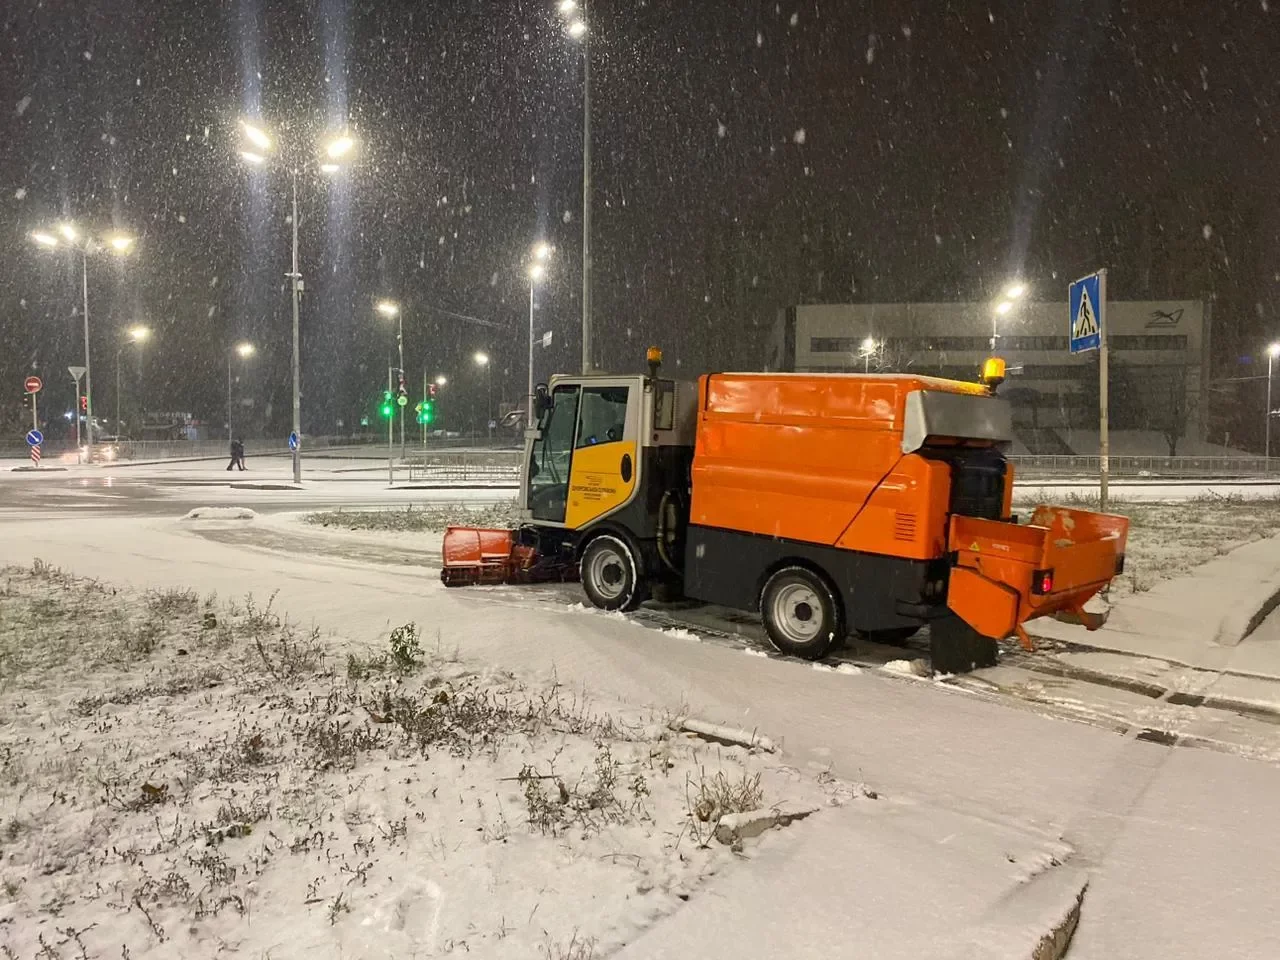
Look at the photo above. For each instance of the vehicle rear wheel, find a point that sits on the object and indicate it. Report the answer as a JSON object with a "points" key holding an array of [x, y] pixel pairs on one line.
{"points": [[800, 613], [611, 575]]}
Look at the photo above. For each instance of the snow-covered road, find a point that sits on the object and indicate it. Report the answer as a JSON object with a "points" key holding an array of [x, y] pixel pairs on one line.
{"points": [[1164, 831]]}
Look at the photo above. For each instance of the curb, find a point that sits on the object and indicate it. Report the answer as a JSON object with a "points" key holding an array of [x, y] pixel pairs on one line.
{"points": [[1246, 617], [1036, 921]]}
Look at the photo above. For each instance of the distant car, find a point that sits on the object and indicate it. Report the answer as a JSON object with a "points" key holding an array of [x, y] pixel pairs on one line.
{"points": [[106, 450]]}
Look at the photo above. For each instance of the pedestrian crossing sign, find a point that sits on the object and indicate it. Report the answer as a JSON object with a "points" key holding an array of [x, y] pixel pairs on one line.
{"points": [[1086, 300]]}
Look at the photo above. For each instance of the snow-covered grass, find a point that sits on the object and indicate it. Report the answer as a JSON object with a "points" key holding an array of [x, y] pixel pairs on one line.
{"points": [[1168, 540], [429, 517], [184, 776]]}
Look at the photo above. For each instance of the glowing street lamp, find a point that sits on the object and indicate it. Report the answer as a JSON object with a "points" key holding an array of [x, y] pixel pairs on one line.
{"points": [[67, 233], [1273, 351], [259, 149], [244, 351], [134, 335], [867, 350], [577, 27], [537, 273], [390, 309]]}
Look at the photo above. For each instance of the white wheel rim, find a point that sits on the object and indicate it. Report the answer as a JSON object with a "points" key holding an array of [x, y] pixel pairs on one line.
{"points": [[796, 611], [607, 571]]}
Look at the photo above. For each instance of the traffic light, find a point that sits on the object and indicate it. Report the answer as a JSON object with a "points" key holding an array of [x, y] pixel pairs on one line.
{"points": [[388, 407], [427, 412], [431, 391], [84, 404]]}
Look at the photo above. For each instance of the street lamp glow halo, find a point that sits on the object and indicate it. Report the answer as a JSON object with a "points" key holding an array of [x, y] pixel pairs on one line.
{"points": [[388, 308], [1015, 291], [567, 6], [44, 239], [139, 333], [120, 242], [542, 251], [257, 136], [577, 29], [68, 232], [339, 147], [1003, 307], [537, 272], [246, 350], [329, 168], [251, 157], [441, 380], [1273, 350], [482, 358]]}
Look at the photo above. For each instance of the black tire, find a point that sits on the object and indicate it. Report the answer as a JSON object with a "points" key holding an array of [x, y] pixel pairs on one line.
{"points": [[610, 574], [800, 613], [893, 637]]}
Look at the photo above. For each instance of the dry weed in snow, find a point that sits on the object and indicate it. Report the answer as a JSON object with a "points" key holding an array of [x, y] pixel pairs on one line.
{"points": [[181, 776], [429, 518]]}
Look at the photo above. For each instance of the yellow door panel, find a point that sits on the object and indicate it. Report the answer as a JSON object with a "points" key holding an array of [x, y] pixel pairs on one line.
{"points": [[596, 484]]}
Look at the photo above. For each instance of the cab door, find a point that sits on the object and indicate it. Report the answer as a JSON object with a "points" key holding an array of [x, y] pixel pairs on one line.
{"points": [[605, 462]]}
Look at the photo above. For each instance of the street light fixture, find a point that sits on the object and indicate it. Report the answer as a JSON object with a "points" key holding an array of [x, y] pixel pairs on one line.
{"points": [[389, 309], [441, 380], [86, 246], [244, 351], [482, 360], [134, 335], [537, 273], [264, 148], [1273, 351], [578, 28], [867, 350]]}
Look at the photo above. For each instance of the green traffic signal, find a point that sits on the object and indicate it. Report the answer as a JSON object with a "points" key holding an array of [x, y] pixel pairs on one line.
{"points": [[388, 408]]}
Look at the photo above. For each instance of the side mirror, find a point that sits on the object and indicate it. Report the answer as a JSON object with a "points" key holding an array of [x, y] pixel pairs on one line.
{"points": [[541, 401]]}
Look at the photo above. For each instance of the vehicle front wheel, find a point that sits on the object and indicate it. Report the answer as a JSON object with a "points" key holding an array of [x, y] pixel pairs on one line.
{"points": [[611, 575], [800, 613]]}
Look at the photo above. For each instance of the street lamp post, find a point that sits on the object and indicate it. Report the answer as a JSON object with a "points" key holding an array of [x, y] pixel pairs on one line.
{"points": [[258, 151], [135, 335], [1273, 351], [537, 272], [245, 351], [482, 359], [389, 308], [117, 243], [579, 29]]}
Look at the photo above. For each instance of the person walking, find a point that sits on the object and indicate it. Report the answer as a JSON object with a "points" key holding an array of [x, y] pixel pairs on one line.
{"points": [[237, 454]]}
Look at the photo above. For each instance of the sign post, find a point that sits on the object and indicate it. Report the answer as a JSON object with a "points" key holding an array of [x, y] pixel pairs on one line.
{"points": [[34, 439], [76, 374], [33, 385], [1088, 331]]}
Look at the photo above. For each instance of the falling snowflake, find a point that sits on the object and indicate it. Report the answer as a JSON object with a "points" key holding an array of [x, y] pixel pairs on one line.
{"points": [[138, 82], [1004, 113], [991, 17], [759, 39], [721, 129], [568, 216], [871, 49], [88, 54], [937, 239], [20, 193], [795, 19], [212, 311], [799, 136], [213, 282], [440, 242], [21, 108], [182, 218], [493, 280], [1207, 230], [906, 30]]}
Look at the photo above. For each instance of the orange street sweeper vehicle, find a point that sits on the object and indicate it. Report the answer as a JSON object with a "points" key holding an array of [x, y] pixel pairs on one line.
{"points": [[829, 503]]}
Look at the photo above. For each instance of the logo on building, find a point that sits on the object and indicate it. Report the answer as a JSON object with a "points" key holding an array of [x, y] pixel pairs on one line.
{"points": [[1161, 318]]}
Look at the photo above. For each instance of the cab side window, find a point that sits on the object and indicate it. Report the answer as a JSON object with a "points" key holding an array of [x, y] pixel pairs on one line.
{"points": [[603, 415]]}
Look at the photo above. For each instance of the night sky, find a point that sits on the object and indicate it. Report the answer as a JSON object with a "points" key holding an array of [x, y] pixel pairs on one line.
{"points": [[747, 156]]}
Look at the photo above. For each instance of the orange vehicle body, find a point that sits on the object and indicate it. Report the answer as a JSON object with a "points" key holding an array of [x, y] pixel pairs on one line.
{"points": [[818, 461]]}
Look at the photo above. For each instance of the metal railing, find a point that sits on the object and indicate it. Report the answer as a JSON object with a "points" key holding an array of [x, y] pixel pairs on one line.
{"points": [[472, 466], [1029, 467]]}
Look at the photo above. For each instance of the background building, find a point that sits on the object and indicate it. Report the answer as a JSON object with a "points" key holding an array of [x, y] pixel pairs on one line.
{"points": [[1159, 363]]}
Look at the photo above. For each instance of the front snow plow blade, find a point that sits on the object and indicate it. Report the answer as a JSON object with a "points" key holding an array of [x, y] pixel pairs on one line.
{"points": [[1005, 574], [481, 555]]}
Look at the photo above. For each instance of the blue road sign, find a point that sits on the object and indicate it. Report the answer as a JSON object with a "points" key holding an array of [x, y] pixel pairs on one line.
{"points": [[293, 441], [34, 438], [1085, 324]]}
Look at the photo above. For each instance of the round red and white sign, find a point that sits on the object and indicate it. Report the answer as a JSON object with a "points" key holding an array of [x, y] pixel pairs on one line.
{"points": [[32, 384]]}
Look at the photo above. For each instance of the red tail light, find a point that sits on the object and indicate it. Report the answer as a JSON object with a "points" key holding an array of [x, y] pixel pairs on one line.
{"points": [[1041, 582]]}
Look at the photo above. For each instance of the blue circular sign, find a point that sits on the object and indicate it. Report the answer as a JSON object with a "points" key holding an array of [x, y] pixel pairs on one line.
{"points": [[34, 438]]}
